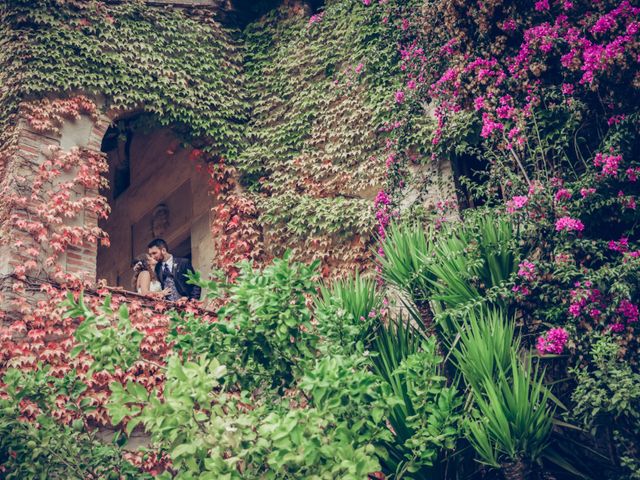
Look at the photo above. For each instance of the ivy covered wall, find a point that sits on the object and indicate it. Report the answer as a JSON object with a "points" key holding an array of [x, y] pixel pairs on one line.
{"points": [[320, 91], [295, 112], [179, 65]]}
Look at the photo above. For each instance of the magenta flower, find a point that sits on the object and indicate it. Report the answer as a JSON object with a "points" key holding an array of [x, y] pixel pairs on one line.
{"points": [[575, 309], [489, 126], [316, 18], [604, 24], [516, 203], [382, 198], [632, 174], [527, 270], [628, 310], [399, 96], [569, 224], [521, 289], [620, 246], [616, 327], [585, 192], [567, 89], [595, 313], [609, 163], [509, 25], [616, 119], [562, 194], [553, 341], [542, 5]]}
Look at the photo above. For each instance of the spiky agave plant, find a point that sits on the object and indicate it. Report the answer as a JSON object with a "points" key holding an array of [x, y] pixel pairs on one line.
{"points": [[483, 346], [468, 260], [407, 248], [347, 309], [512, 420], [392, 343]]}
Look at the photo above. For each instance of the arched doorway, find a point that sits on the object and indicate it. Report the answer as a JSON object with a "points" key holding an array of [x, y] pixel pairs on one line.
{"points": [[156, 190]]}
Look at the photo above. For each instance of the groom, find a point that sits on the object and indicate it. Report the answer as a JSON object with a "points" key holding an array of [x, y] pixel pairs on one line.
{"points": [[172, 271]]}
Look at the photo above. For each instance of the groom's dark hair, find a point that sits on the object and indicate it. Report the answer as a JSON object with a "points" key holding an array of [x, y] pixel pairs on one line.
{"points": [[158, 242]]}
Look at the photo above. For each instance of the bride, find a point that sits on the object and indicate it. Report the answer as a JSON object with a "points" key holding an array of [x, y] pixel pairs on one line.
{"points": [[144, 277]]}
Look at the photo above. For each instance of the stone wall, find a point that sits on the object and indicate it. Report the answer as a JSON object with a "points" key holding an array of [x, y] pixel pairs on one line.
{"points": [[33, 148], [161, 174]]}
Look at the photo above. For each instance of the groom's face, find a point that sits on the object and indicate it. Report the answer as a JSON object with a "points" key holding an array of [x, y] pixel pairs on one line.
{"points": [[158, 254]]}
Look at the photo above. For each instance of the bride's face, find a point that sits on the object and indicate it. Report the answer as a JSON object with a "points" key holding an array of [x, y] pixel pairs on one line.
{"points": [[152, 262]]}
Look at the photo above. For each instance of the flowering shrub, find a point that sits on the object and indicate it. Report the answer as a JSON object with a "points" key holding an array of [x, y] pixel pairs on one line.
{"points": [[553, 341], [544, 97]]}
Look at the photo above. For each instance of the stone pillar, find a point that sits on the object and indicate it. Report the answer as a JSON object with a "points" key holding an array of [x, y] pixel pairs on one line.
{"points": [[33, 148]]}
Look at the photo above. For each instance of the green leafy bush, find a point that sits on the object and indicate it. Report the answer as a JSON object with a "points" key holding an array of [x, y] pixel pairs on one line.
{"points": [[606, 401]]}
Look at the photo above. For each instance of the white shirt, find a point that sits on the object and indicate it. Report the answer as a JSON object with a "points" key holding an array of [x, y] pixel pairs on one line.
{"points": [[168, 263]]}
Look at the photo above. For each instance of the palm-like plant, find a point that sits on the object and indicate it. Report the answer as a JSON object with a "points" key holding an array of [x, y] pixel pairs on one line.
{"points": [[392, 344], [513, 419], [497, 248], [358, 295], [484, 346], [407, 250], [469, 260], [472, 257], [452, 269], [355, 302]]}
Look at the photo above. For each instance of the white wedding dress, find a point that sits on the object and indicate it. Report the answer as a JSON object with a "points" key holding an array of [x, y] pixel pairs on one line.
{"points": [[154, 287]]}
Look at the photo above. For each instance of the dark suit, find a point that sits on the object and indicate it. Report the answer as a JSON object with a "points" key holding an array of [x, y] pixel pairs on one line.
{"points": [[180, 268]]}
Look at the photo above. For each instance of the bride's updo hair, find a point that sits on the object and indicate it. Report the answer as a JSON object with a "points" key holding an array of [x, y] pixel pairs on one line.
{"points": [[140, 264]]}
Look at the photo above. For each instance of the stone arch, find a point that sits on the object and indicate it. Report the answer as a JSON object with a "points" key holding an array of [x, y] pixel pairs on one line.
{"points": [[167, 196], [66, 124]]}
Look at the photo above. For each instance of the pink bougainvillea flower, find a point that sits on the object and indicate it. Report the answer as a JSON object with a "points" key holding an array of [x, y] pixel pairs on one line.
{"points": [[616, 327], [382, 198], [521, 289], [628, 310], [632, 174], [553, 341], [527, 270], [509, 25], [562, 194], [542, 5], [316, 18], [516, 203], [569, 224], [609, 163], [620, 246], [489, 126]]}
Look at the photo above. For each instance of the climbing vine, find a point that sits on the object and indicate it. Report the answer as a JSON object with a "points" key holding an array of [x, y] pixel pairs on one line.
{"points": [[320, 90], [182, 67]]}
